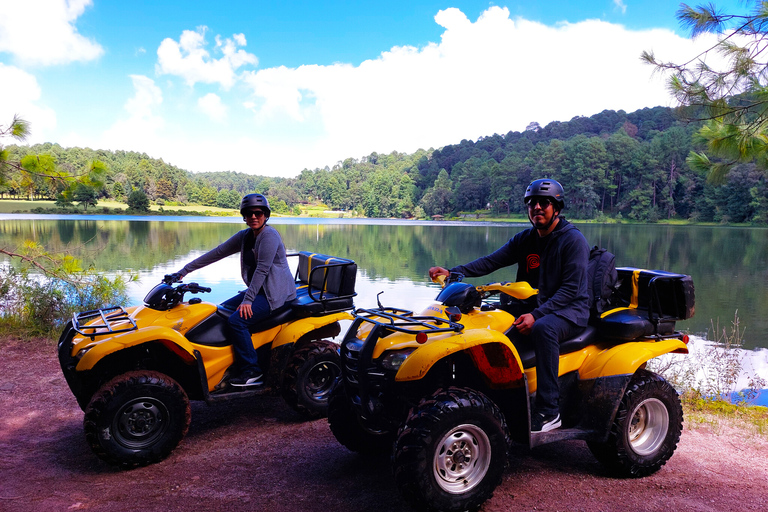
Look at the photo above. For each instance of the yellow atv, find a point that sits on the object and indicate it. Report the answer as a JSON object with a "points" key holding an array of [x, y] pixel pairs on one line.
{"points": [[134, 371], [447, 391]]}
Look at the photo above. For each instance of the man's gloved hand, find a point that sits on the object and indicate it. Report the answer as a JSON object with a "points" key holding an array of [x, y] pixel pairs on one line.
{"points": [[173, 278]]}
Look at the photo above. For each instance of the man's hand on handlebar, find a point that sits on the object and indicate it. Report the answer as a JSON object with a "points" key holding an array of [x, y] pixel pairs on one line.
{"points": [[436, 272]]}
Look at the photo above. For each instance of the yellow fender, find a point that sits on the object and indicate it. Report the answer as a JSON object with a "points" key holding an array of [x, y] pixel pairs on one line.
{"points": [[626, 358], [295, 330], [101, 349], [494, 352]]}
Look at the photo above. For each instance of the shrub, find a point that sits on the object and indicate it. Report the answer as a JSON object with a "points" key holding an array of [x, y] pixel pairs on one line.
{"points": [[39, 305]]}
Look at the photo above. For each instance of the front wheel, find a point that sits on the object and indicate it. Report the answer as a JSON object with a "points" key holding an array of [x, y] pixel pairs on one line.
{"points": [[137, 418], [309, 377], [646, 430], [452, 450], [351, 431]]}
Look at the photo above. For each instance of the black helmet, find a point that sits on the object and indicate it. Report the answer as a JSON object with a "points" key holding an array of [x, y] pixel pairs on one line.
{"points": [[546, 188], [253, 201]]}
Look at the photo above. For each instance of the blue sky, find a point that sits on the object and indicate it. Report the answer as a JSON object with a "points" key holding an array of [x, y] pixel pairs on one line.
{"points": [[272, 88]]}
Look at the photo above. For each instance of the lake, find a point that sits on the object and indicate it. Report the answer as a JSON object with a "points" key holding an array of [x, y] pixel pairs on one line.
{"points": [[729, 265]]}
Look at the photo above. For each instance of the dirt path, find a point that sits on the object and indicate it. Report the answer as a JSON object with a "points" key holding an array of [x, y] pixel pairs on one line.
{"points": [[258, 455]]}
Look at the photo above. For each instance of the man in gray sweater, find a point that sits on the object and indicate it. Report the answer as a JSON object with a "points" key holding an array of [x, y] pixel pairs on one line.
{"points": [[264, 269]]}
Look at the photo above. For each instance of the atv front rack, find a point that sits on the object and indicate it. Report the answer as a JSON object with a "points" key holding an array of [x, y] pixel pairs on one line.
{"points": [[400, 320], [110, 318]]}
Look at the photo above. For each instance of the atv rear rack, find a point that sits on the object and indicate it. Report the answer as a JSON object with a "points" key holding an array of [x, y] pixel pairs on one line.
{"points": [[110, 317]]}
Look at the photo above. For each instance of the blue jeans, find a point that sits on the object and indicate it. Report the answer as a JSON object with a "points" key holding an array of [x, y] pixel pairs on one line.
{"points": [[246, 358]]}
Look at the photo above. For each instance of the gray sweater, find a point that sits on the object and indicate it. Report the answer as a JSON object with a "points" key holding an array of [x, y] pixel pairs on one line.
{"points": [[270, 272]]}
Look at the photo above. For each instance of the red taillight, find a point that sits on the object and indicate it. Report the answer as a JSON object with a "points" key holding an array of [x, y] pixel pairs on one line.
{"points": [[685, 339], [454, 317], [421, 338]]}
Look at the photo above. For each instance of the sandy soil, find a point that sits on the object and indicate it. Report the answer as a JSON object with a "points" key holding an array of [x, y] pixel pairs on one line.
{"points": [[257, 454]]}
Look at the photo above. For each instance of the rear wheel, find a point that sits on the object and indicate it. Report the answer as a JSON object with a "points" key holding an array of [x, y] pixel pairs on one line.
{"points": [[452, 451], [309, 377], [137, 418], [646, 430]]}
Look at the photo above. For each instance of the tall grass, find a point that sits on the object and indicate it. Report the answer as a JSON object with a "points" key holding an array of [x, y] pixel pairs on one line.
{"points": [[712, 379]]}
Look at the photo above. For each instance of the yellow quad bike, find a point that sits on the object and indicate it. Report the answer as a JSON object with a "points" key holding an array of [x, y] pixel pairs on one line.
{"points": [[134, 371], [447, 391]]}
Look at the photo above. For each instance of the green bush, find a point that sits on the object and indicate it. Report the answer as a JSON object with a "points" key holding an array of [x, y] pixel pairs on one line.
{"points": [[40, 306]]}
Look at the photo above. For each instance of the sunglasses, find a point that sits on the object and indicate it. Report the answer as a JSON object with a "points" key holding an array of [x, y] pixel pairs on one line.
{"points": [[253, 213], [543, 202]]}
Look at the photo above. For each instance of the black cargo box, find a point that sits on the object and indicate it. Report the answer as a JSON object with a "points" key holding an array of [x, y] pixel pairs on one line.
{"points": [[665, 295]]}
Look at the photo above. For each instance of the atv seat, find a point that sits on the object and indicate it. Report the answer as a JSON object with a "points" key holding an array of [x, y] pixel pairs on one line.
{"points": [[324, 285], [528, 355], [627, 324]]}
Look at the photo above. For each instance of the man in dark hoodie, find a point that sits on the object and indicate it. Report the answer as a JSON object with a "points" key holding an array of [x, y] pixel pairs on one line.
{"points": [[551, 256]]}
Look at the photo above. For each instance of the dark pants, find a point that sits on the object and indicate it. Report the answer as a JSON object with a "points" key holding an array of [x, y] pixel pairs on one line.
{"points": [[246, 358], [546, 335]]}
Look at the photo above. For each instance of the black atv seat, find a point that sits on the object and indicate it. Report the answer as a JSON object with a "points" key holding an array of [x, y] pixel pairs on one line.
{"points": [[626, 324], [324, 285], [528, 355]]}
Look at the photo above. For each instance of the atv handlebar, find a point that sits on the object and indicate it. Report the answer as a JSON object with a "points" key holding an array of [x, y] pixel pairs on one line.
{"points": [[193, 288]]}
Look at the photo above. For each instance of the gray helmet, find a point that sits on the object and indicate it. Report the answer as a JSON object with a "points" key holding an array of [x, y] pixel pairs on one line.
{"points": [[546, 188], [253, 201]]}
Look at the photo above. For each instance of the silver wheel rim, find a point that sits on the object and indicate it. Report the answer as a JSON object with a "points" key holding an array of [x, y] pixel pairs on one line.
{"points": [[462, 459], [648, 426]]}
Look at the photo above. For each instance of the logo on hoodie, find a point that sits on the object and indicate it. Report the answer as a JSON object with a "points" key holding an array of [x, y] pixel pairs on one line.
{"points": [[532, 262]]}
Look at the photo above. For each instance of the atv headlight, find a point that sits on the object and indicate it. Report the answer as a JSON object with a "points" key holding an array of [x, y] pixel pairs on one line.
{"points": [[82, 352], [394, 360]]}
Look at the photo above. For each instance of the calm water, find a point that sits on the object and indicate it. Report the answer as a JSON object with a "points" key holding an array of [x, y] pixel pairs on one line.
{"points": [[729, 265]]}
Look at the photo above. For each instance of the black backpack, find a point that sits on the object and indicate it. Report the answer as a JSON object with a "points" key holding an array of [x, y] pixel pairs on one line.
{"points": [[602, 281]]}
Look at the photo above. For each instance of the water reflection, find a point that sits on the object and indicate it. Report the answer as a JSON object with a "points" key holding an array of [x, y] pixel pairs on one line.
{"points": [[729, 265]]}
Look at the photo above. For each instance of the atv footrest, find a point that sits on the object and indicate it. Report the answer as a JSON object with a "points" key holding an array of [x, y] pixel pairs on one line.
{"points": [[559, 434], [229, 395]]}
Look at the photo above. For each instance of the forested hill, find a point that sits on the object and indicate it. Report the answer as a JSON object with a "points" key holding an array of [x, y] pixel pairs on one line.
{"points": [[612, 164]]}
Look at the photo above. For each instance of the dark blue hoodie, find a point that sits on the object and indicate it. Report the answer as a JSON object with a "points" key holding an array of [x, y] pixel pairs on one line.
{"points": [[555, 264]]}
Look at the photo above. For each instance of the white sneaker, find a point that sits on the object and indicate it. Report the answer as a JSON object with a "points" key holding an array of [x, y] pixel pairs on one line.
{"points": [[543, 423]]}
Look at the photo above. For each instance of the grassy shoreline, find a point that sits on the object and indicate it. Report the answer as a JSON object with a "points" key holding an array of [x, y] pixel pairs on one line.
{"points": [[109, 207]]}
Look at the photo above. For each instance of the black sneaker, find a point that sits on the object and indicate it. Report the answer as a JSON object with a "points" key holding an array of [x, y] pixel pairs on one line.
{"points": [[544, 422], [250, 378]]}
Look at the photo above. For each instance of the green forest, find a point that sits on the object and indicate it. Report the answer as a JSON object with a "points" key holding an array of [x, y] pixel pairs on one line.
{"points": [[614, 165]]}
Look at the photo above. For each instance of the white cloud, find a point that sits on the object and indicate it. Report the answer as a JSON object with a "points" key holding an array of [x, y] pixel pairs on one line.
{"points": [[491, 76], [142, 130], [189, 59], [212, 106], [44, 32], [20, 95], [620, 5]]}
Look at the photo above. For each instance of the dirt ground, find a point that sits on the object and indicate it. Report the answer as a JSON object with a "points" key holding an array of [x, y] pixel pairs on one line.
{"points": [[257, 454]]}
